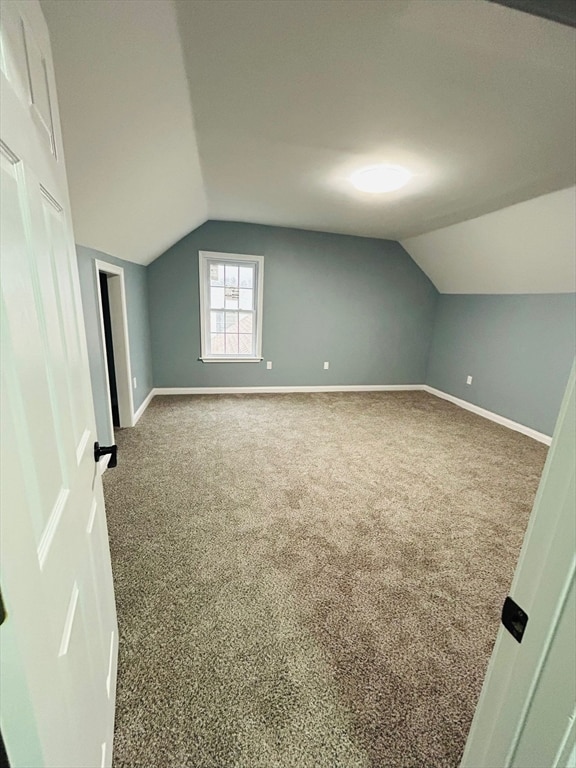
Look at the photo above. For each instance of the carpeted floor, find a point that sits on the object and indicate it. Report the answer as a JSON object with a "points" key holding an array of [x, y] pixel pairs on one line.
{"points": [[310, 581]]}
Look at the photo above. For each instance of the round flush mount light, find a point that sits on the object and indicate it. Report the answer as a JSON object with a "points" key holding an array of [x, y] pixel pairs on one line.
{"points": [[380, 178]]}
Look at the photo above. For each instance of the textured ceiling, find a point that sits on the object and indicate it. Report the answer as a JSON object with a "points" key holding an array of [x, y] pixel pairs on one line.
{"points": [[289, 98]]}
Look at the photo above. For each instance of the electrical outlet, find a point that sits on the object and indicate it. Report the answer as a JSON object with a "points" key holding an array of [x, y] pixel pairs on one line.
{"points": [[134, 382], [326, 366], [468, 379], [269, 365]]}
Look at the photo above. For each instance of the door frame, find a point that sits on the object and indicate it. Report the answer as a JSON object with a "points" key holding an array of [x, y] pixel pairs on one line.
{"points": [[120, 339]]}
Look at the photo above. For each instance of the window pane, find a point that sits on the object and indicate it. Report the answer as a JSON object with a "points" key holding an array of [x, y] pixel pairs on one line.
{"points": [[246, 277], [231, 271], [217, 322], [217, 346], [231, 344], [245, 322], [216, 274], [231, 298], [231, 322], [216, 298], [246, 298], [245, 343], [230, 305]]}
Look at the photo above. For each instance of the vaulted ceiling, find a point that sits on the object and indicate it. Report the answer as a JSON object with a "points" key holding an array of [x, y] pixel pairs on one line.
{"points": [[525, 248], [132, 159], [259, 110]]}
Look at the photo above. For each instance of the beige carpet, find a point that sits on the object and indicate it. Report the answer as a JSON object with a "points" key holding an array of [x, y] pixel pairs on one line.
{"points": [[310, 581]]}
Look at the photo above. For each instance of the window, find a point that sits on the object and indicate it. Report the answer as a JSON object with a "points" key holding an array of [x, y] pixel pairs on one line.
{"points": [[230, 307]]}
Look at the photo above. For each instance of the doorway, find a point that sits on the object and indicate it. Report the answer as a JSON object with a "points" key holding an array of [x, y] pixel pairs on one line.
{"points": [[115, 344], [109, 344]]}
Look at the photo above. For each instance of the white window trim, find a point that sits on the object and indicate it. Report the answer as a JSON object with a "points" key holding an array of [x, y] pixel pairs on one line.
{"points": [[203, 258]]}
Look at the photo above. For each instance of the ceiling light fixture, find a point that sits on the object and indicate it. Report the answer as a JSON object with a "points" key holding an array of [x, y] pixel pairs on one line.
{"points": [[380, 178]]}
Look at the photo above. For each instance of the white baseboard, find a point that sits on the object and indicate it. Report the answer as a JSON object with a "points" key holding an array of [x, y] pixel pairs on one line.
{"points": [[502, 420], [142, 408], [279, 390], [540, 436]]}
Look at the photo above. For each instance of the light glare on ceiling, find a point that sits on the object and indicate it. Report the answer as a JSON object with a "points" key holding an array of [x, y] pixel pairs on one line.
{"points": [[380, 178]]}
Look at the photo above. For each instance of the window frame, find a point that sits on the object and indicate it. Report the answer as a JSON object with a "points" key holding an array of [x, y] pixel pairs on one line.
{"points": [[204, 260]]}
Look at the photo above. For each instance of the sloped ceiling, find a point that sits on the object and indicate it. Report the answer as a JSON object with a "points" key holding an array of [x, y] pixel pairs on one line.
{"points": [[131, 154], [526, 248], [289, 98]]}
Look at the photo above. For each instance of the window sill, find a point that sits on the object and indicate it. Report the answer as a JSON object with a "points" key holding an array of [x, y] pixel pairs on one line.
{"points": [[230, 359]]}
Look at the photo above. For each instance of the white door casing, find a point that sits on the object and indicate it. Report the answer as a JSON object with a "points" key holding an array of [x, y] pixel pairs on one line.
{"points": [[55, 573], [121, 342], [526, 714]]}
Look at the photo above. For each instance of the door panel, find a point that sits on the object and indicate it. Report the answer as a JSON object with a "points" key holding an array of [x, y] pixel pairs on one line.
{"points": [[55, 562], [55, 234], [39, 88], [13, 60], [24, 329]]}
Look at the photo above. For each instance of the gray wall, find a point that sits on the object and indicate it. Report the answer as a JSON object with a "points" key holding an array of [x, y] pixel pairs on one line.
{"points": [[362, 304], [135, 279], [519, 350]]}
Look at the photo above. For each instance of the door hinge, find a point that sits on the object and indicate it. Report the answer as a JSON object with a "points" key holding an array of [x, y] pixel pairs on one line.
{"points": [[514, 619], [104, 450]]}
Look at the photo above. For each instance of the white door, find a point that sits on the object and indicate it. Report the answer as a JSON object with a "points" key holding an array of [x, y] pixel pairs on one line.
{"points": [[526, 713], [59, 640]]}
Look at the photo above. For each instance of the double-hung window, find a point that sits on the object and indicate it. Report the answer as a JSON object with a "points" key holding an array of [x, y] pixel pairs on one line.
{"points": [[231, 307]]}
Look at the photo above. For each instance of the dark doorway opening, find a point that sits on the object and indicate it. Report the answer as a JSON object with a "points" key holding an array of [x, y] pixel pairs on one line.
{"points": [[109, 348]]}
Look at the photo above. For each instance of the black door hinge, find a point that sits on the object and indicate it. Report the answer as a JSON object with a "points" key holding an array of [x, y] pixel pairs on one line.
{"points": [[514, 619], [104, 450]]}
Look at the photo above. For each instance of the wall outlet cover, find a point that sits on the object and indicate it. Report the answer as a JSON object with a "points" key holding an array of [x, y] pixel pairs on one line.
{"points": [[269, 365], [326, 366], [134, 382], [468, 379]]}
